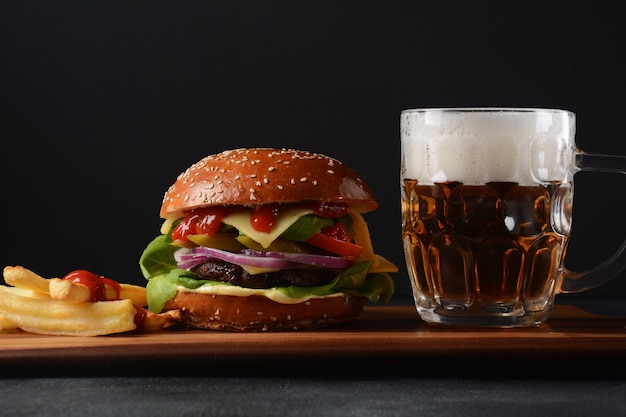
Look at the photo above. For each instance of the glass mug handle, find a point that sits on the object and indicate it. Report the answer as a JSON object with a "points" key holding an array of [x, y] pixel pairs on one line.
{"points": [[572, 281]]}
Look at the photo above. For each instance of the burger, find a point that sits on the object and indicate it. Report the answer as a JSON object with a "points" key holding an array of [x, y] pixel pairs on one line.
{"points": [[263, 239]]}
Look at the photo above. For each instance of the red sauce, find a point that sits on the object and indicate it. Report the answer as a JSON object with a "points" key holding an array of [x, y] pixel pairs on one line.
{"points": [[117, 288], [263, 217], [200, 221], [140, 317], [91, 281], [208, 220]]}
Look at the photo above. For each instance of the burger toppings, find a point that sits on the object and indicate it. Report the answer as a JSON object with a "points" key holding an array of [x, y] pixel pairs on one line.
{"points": [[188, 258], [302, 236], [200, 221]]}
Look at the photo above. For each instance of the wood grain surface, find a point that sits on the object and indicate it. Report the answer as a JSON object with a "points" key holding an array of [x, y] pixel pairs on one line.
{"points": [[385, 337]]}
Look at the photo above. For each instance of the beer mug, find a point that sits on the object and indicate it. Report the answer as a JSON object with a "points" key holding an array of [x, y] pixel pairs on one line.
{"points": [[487, 213]]}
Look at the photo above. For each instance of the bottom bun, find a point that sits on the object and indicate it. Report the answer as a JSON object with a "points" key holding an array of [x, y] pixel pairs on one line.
{"points": [[258, 313]]}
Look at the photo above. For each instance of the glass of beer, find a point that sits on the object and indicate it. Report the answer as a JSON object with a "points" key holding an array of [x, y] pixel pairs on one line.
{"points": [[487, 199]]}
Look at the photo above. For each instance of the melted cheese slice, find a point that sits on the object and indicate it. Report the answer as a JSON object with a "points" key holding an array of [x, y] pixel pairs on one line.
{"points": [[362, 238], [241, 221], [271, 293]]}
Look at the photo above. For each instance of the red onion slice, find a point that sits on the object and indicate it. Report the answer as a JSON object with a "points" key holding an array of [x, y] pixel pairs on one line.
{"points": [[188, 258], [326, 261]]}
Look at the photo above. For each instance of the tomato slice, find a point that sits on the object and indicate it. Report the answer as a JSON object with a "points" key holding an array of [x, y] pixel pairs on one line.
{"points": [[336, 246]]}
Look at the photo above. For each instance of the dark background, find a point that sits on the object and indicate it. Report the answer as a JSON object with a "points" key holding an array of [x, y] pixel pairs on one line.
{"points": [[104, 103]]}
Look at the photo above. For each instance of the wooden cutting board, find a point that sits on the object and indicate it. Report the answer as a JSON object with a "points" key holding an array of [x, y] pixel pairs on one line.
{"points": [[385, 337]]}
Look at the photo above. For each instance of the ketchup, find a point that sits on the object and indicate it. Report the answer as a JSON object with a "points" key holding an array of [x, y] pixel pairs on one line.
{"points": [[208, 220], [91, 281], [140, 317], [264, 217], [117, 288], [200, 221], [95, 283]]}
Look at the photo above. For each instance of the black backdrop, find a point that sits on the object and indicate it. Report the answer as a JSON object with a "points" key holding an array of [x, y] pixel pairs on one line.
{"points": [[104, 103]]}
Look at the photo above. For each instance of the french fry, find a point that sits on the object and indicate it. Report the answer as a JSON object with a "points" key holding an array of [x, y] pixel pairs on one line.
{"points": [[135, 293], [64, 307], [53, 317], [68, 291], [21, 277], [28, 293], [158, 321], [6, 324]]}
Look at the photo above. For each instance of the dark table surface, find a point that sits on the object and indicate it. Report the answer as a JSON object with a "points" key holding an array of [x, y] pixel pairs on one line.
{"points": [[481, 388], [332, 395]]}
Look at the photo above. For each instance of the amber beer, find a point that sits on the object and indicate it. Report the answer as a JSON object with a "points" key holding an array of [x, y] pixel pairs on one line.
{"points": [[486, 212], [485, 250]]}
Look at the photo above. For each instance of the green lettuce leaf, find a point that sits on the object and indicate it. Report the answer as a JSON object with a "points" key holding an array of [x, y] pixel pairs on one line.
{"points": [[159, 267], [305, 227], [158, 257], [162, 288]]}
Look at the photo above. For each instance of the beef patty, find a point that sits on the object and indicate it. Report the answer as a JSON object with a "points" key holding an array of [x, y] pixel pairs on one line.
{"points": [[217, 270]]}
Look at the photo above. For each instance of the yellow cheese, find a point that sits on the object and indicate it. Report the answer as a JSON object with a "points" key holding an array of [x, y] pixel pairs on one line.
{"points": [[362, 238], [241, 221], [271, 293], [384, 265]]}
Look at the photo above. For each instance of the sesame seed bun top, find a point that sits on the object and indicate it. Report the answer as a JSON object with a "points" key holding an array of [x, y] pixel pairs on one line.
{"points": [[254, 176]]}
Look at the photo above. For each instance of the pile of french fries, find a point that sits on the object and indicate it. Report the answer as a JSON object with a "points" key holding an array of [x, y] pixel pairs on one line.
{"points": [[61, 307]]}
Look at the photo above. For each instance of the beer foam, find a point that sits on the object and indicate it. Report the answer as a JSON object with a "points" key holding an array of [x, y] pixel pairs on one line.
{"points": [[526, 146]]}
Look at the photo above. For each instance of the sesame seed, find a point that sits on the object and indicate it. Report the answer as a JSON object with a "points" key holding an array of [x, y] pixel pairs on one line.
{"points": [[292, 181], [280, 187], [271, 169], [330, 171], [303, 179]]}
